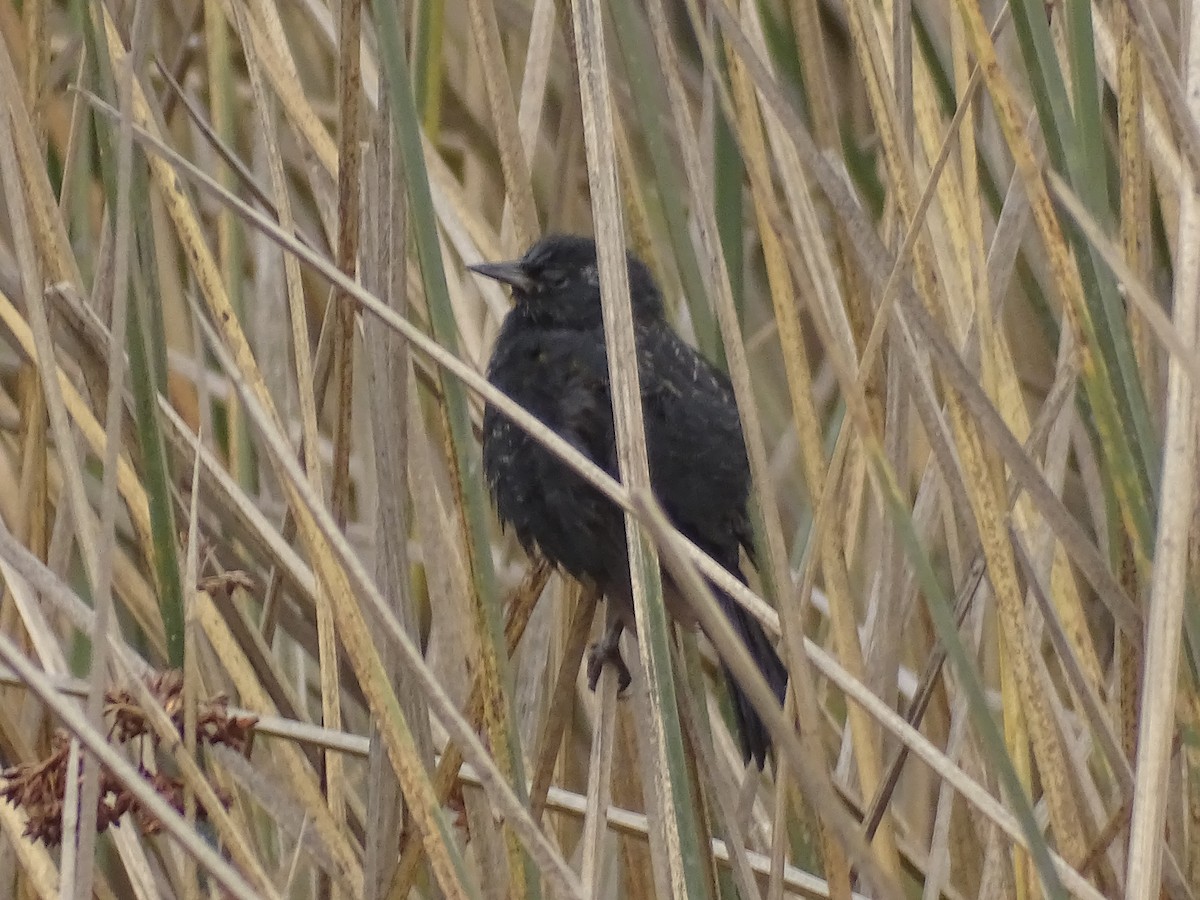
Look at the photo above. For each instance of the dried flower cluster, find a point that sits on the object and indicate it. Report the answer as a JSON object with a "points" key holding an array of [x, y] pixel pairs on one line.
{"points": [[40, 787]]}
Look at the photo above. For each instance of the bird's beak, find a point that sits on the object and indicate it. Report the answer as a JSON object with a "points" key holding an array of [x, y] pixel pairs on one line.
{"points": [[512, 272]]}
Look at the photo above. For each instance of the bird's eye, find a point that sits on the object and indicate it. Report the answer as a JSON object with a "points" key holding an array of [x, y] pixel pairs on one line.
{"points": [[555, 280]]}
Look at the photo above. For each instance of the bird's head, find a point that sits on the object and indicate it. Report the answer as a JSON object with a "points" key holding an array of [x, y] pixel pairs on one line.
{"points": [[557, 283]]}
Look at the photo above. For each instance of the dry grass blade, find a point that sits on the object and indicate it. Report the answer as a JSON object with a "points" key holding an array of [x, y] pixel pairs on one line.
{"points": [[671, 800], [1169, 588], [108, 502]]}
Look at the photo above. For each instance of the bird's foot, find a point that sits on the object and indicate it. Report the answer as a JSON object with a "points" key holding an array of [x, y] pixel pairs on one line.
{"points": [[607, 650]]}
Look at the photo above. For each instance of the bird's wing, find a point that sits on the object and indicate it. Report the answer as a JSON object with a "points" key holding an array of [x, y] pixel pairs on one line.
{"points": [[693, 432], [697, 452]]}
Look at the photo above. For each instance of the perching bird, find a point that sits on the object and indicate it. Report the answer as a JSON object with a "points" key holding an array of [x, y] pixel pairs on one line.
{"points": [[550, 358]]}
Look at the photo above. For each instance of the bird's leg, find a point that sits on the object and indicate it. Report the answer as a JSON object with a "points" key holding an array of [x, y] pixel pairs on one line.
{"points": [[608, 650]]}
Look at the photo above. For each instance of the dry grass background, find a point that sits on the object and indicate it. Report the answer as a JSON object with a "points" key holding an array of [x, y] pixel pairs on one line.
{"points": [[951, 259]]}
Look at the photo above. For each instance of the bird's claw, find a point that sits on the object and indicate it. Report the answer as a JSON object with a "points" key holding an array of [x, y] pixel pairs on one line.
{"points": [[607, 651]]}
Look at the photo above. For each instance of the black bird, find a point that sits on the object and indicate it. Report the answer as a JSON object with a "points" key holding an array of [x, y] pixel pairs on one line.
{"points": [[550, 357]]}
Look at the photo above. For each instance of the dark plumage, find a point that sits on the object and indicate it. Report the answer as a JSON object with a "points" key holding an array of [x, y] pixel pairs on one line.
{"points": [[550, 357]]}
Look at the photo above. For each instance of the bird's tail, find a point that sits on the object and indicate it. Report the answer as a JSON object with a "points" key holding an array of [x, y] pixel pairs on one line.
{"points": [[755, 738]]}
